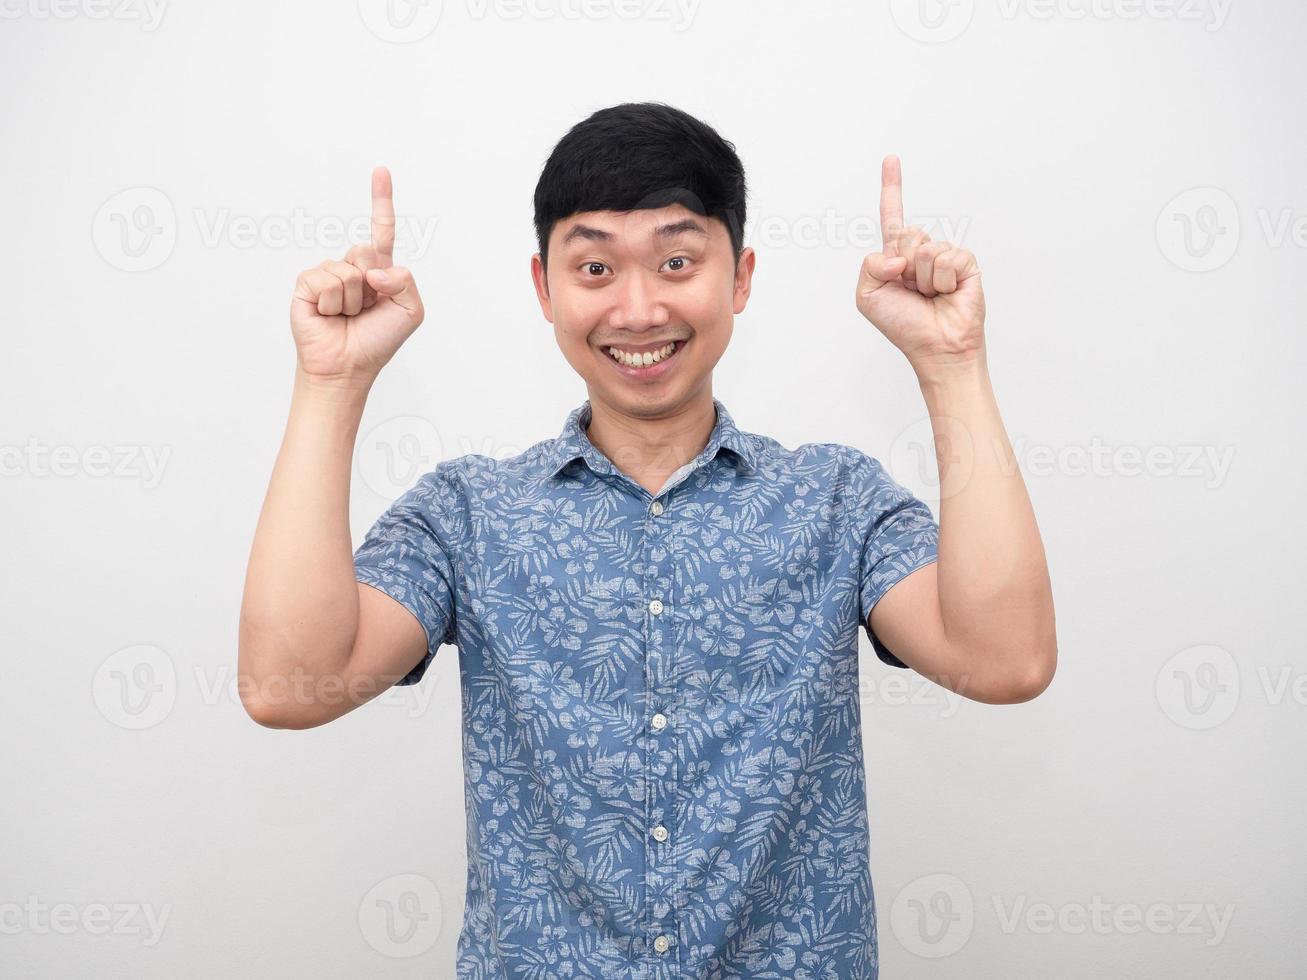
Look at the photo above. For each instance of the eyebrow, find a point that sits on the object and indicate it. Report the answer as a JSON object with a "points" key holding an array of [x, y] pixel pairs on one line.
{"points": [[590, 234]]}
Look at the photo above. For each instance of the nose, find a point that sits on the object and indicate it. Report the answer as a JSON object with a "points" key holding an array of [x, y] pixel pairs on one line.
{"points": [[638, 301]]}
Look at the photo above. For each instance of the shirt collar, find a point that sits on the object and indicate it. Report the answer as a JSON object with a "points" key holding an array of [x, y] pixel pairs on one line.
{"points": [[573, 443]]}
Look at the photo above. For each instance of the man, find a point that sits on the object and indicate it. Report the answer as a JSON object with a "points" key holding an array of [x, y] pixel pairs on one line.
{"points": [[656, 612]]}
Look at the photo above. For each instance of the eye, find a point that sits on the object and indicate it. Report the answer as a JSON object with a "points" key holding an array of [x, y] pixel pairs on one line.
{"points": [[682, 259], [595, 268]]}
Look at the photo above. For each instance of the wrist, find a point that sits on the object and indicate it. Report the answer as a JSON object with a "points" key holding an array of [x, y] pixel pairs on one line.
{"points": [[952, 370], [338, 395], [334, 387]]}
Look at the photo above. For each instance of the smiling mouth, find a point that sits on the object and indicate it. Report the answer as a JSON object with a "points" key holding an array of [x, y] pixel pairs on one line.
{"points": [[643, 360]]}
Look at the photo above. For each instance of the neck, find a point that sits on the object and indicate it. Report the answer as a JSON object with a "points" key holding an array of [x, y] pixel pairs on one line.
{"points": [[650, 447]]}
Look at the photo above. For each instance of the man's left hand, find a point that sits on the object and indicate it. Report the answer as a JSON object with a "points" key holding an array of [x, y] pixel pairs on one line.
{"points": [[925, 296]]}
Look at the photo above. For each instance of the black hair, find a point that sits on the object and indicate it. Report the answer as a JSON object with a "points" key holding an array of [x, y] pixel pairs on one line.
{"points": [[641, 155]]}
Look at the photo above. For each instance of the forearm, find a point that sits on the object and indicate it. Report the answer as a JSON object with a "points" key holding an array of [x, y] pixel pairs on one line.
{"points": [[299, 613], [995, 596]]}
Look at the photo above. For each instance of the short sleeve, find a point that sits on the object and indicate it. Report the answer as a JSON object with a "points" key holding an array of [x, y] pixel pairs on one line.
{"points": [[407, 554], [900, 535]]}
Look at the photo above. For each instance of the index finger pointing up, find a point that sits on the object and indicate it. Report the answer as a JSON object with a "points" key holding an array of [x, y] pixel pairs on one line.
{"points": [[891, 200], [383, 217]]}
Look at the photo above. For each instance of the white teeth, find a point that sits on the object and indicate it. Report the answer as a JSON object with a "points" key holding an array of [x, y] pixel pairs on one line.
{"points": [[642, 360]]}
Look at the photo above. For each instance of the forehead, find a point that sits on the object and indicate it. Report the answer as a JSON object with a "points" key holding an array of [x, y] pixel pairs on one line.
{"points": [[640, 227]]}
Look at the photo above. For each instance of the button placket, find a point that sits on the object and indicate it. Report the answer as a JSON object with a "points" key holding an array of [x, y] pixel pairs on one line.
{"points": [[661, 878]]}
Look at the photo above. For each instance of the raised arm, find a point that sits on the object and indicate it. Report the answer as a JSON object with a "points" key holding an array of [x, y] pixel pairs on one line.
{"points": [[979, 620], [315, 643]]}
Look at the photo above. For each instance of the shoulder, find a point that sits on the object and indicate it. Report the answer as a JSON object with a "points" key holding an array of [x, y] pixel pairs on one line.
{"points": [[474, 475], [827, 462], [862, 470], [858, 482]]}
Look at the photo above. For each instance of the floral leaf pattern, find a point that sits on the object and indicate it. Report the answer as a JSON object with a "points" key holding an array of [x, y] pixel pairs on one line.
{"points": [[663, 767]]}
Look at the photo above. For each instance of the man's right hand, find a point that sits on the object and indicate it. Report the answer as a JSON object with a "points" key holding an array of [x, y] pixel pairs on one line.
{"points": [[348, 317]]}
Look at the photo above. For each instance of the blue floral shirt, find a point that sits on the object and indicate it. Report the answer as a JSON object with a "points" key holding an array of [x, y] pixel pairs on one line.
{"points": [[662, 739]]}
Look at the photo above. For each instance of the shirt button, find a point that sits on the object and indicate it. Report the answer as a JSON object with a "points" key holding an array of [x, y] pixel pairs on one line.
{"points": [[658, 721], [661, 944], [655, 607], [656, 508], [659, 833]]}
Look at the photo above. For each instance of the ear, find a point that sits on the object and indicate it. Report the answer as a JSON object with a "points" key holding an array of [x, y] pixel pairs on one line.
{"points": [[743, 279], [541, 281]]}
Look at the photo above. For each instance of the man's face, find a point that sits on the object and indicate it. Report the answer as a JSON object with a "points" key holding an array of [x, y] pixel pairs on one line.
{"points": [[640, 282]]}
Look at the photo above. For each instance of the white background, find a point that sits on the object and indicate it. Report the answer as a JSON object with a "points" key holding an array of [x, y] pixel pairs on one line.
{"points": [[1130, 176]]}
